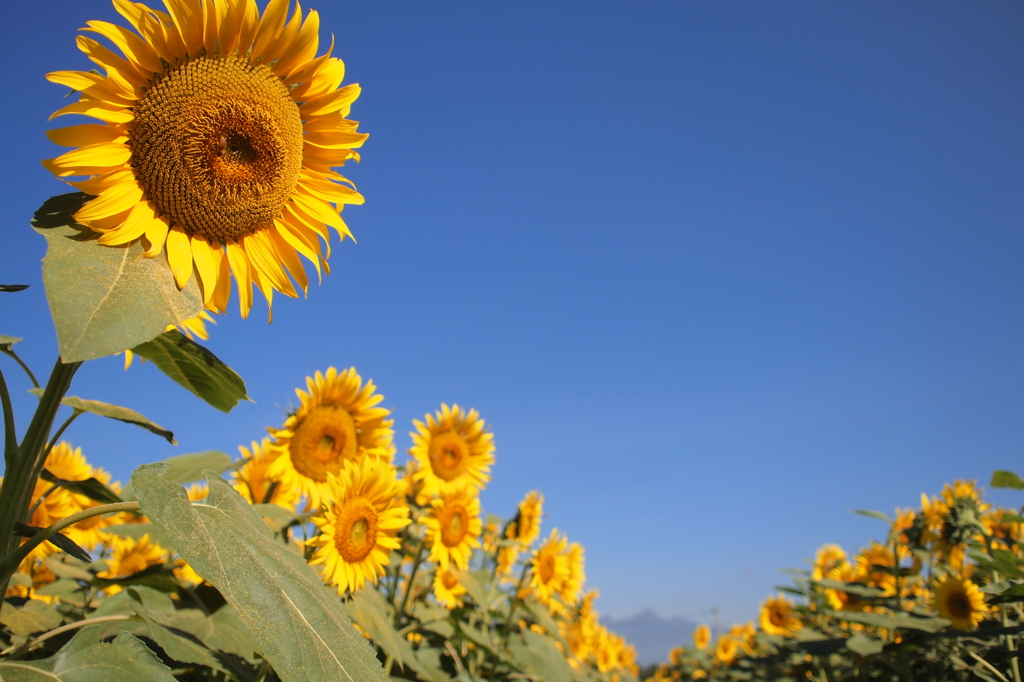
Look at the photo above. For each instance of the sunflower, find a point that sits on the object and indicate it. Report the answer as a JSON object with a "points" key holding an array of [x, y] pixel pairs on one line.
{"points": [[505, 562], [827, 558], [702, 637], [337, 421], [359, 527], [447, 589], [526, 526], [218, 132], [549, 568], [960, 600], [875, 563], [846, 601], [777, 617], [453, 526], [451, 447], [69, 464], [251, 480], [131, 556], [726, 650], [49, 504]]}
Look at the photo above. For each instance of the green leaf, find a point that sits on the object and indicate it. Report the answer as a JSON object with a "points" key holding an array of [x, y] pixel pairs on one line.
{"points": [[229, 634], [543, 617], [11, 288], [536, 654], [298, 624], [177, 648], [1006, 479], [87, 659], [122, 414], [369, 609], [8, 341], [34, 616], [873, 514], [1012, 518], [105, 299], [190, 467], [473, 587], [91, 487], [865, 646], [850, 588], [195, 368]]}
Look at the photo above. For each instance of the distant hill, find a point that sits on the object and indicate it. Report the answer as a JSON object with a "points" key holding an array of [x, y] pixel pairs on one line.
{"points": [[651, 634]]}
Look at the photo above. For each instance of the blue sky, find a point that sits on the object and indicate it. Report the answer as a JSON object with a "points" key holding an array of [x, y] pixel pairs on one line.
{"points": [[716, 273]]}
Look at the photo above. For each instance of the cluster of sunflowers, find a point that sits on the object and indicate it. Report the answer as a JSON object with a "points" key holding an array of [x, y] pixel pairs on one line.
{"points": [[456, 586], [939, 599]]}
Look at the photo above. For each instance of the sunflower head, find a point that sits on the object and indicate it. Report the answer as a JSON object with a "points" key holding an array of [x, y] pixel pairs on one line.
{"points": [[828, 557], [702, 637], [960, 600], [338, 421], [451, 448], [219, 129], [360, 524], [253, 483], [572, 587], [68, 463], [726, 650], [777, 617], [846, 601], [131, 556], [453, 526], [525, 528], [549, 569], [447, 589]]}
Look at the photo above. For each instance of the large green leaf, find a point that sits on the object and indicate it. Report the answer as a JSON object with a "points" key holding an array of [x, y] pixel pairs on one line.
{"points": [[105, 299], [184, 469], [537, 655], [177, 648], [87, 659], [34, 616], [298, 624], [195, 368]]}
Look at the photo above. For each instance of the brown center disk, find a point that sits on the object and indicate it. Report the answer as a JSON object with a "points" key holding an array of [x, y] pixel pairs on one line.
{"points": [[217, 144]]}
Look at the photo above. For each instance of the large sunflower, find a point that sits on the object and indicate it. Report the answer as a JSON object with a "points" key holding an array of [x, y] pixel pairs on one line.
{"points": [[359, 527], [453, 527], [252, 482], [337, 421], [960, 600], [219, 128], [452, 447]]}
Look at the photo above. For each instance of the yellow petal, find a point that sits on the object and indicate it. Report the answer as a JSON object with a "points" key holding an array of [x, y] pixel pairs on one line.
{"points": [[96, 185], [329, 191], [270, 26], [96, 109], [81, 161], [263, 256], [137, 50], [330, 123], [336, 100], [207, 266], [239, 263], [321, 210], [156, 235], [108, 60], [179, 255], [335, 139], [290, 258], [326, 79], [298, 238], [222, 293], [86, 134], [302, 47], [120, 197], [284, 39], [263, 286], [135, 225], [187, 16], [211, 26], [92, 84], [250, 23]]}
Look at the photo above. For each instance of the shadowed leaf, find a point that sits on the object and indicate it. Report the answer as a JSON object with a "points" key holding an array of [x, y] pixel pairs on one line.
{"points": [[195, 368]]}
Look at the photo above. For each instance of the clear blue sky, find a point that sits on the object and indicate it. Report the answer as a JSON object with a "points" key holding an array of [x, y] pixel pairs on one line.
{"points": [[717, 273]]}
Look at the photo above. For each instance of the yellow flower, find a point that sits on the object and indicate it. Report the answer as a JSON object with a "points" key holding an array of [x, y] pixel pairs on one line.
{"points": [[874, 564], [451, 448], [1008, 533], [963, 490], [777, 617], [549, 569], [337, 421], [525, 527], [131, 556], [726, 650], [675, 654], [359, 527], [50, 504], [252, 482], [744, 634], [70, 465], [453, 527], [506, 561], [218, 132], [960, 600], [447, 589], [828, 557], [702, 637], [572, 587], [846, 601]]}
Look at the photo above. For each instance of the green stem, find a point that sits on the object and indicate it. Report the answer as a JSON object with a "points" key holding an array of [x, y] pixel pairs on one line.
{"points": [[60, 431], [27, 463], [12, 560], [10, 434], [408, 588], [64, 628], [515, 598], [42, 498], [10, 351]]}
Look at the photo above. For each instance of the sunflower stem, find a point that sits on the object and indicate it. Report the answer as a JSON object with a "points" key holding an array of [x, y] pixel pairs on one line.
{"points": [[27, 463], [62, 429], [408, 589], [7, 350]]}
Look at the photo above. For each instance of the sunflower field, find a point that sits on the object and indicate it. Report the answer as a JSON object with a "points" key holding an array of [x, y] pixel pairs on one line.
{"points": [[939, 599], [209, 164]]}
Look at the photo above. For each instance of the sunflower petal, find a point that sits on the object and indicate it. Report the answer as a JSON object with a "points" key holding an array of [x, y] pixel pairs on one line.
{"points": [[239, 263], [265, 288], [207, 266], [100, 110], [222, 293], [179, 255], [290, 258], [156, 235], [120, 197], [321, 210], [263, 256], [285, 39], [135, 225], [270, 26], [302, 48], [336, 100], [137, 50], [86, 134]]}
